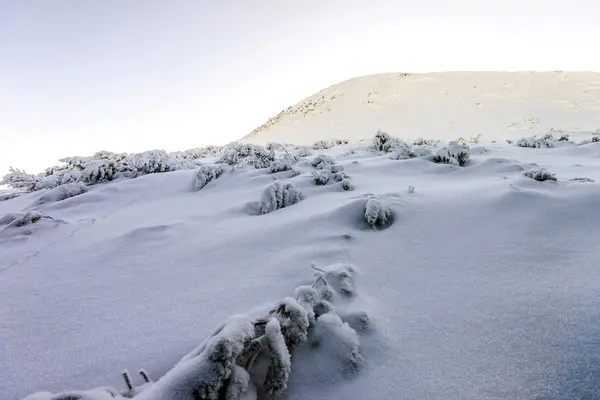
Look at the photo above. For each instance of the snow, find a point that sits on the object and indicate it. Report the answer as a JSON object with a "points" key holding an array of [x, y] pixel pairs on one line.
{"points": [[481, 284], [497, 105]]}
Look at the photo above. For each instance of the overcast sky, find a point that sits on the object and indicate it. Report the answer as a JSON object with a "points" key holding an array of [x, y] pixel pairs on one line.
{"points": [[122, 75]]}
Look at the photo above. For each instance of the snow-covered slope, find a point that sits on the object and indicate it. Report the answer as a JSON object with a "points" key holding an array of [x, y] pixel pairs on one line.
{"points": [[484, 283], [444, 105]]}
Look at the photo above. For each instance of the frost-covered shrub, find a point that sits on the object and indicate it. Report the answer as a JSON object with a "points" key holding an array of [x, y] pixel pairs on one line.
{"points": [[279, 195], [377, 212], [595, 139], [16, 220], [563, 138], [151, 162], [19, 179], [60, 177], [582, 180], [536, 143], [540, 175], [303, 151], [62, 192], [321, 177], [385, 142], [207, 173], [246, 155], [321, 145], [99, 171], [280, 166], [260, 347], [347, 184], [329, 172], [424, 142], [8, 196], [322, 160], [455, 153]]}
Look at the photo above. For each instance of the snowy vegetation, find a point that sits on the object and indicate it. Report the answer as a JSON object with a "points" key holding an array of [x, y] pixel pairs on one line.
{"points": [[455, 153], [249, 357], [279, 195], [540, 174], [547, 141], [206, 174], [377, 213]]}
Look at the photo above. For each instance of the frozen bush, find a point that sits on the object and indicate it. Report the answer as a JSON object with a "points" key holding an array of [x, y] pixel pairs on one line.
{"points": [[18, 220], [455, 153], [246, 155], [321, 145], [8, 196], [387, 143], [207, 173], [595, 139], [347, 184], [582, 180], [150, 162], [377, 213], [563, 138], [280, 166], [321, 161], [304, 151], [62, 192], [321, 177], [540, 175], [536, 143], [259, 347], [341, 340], [60, 177], [278, 196], [99, 171], [19, 179]]}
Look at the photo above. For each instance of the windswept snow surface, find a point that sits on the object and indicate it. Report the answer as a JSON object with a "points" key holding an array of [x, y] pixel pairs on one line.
{"points": [[482, 284], [441, 105]]}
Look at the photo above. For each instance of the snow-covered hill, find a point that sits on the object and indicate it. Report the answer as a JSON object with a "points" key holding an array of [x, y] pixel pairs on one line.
{"points": [[483, 283], [448, 105]]}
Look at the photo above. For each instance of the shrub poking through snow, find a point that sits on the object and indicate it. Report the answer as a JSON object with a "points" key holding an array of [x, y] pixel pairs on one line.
{"points": [[206, 174], [455, 153], [563, 138], [324, 144], [321, 145], [377, 212], [250, 355], [321, 161], [321, 177], [279, 195], [385, 142], [595, 139], [582, 180], [245, 155], [536, 143], [347, 185], [280, 166], [329, 172], [540, 175], [303, 151], [62, 192]]}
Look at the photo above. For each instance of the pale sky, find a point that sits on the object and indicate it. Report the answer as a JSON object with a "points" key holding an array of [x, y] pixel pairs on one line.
{"points": [[80, 76]]}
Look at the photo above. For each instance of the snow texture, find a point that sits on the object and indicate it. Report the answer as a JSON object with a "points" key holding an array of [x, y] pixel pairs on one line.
{"points": [[469, 293]]}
